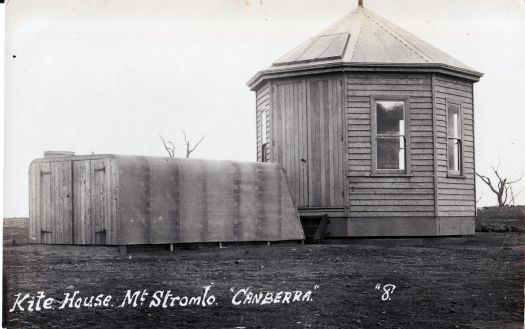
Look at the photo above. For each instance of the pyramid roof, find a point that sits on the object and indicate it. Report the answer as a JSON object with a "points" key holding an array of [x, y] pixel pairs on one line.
{"points": [[363, 39]]}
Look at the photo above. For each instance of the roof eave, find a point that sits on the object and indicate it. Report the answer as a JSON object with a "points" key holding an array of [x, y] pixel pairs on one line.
{"points": [[317, 68]]}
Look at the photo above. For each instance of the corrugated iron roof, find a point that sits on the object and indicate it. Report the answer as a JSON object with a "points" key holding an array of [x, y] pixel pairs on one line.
{"points": [[365, 38]]}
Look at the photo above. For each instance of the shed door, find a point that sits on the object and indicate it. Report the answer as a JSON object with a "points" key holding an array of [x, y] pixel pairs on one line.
{"points": [[325, 143], [55, 206], [90, 201]]}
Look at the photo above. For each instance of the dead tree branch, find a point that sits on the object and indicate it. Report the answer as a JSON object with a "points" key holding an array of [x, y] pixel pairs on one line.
{"points": [[189, 148], [478, 200], [502, 187], [515, 195], [169, 148]]}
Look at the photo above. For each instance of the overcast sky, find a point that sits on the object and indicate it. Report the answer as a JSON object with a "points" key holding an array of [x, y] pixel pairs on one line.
{"points": [[109, 76]]}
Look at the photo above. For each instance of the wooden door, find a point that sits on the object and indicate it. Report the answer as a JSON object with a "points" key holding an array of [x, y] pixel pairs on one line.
{"points": [[53, 201], [308, 139], [325, 143], [90, 201], [289, 134]]}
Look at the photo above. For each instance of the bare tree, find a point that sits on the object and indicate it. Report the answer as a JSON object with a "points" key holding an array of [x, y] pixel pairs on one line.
{"points": [[170, 147], [189, 148], [502, 188], [514, 195], [478, 200]]}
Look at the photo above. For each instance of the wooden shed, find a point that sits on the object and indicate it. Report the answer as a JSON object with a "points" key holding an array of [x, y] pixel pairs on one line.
{"points": [[374, 128], [130, 200]]}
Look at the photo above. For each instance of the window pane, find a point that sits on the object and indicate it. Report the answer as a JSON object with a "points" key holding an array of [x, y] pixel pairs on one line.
{"points": [[401, 152], [390, 117], [264, 152], [391, 153], [454, 123], [454, 151], [264, 124]]}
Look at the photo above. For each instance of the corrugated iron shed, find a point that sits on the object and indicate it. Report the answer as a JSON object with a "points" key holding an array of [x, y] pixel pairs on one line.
{"points": [[129, 200], [364, 39]]}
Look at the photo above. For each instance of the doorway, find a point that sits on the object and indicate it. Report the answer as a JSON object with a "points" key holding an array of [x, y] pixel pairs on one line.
{"points": [[308, 139]]}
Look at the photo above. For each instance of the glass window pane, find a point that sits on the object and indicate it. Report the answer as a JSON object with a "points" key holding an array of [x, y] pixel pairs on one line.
{"points": [[454, 151], [390, 153], [390, 117], [264, 152], [401, 152], [264, 125], [454, 121]]}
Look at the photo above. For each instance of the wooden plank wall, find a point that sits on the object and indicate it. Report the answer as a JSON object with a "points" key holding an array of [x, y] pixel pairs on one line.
{"points": [[82, 202], [94, 210], [369, 196], [325, 142], [289, 129], [456, 195], [73, 201], [36, 200], [262, 101], [308, 138], [50, 205], [34, 220]]}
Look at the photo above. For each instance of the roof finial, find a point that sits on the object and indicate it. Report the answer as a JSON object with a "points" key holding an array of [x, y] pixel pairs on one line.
{"points": [[360, 3]]}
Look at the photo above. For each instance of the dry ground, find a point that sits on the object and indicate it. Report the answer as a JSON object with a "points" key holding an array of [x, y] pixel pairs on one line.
{"points": [[474, 282]]}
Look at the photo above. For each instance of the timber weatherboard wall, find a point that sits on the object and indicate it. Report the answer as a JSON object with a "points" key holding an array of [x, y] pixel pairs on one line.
{"points": [[393, 195], [321, 132], [456, 195], [126, 200], [263, 103]]}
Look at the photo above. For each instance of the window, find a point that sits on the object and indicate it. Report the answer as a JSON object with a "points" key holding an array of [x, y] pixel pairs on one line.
{"points": [[264, 134], [264, 152], [389, 140], [454, 139]]}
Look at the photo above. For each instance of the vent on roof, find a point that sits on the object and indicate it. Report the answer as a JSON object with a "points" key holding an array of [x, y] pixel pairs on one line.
{"points": [[58, 154], [319, 48]]}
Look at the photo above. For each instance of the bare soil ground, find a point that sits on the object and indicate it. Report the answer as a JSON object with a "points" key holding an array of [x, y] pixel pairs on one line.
{"points": [[467, 282]]}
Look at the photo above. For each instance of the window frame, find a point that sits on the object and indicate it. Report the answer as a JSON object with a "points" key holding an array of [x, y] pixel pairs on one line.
{"points": [[455, 173], [373, 135], [265, 113]]}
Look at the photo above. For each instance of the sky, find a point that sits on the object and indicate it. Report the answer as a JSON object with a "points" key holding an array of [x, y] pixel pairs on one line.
{"points": [[109, 76]]}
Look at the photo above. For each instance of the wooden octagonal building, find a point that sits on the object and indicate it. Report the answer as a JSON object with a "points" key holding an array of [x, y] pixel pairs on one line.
{"points": [[375, 130]]}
